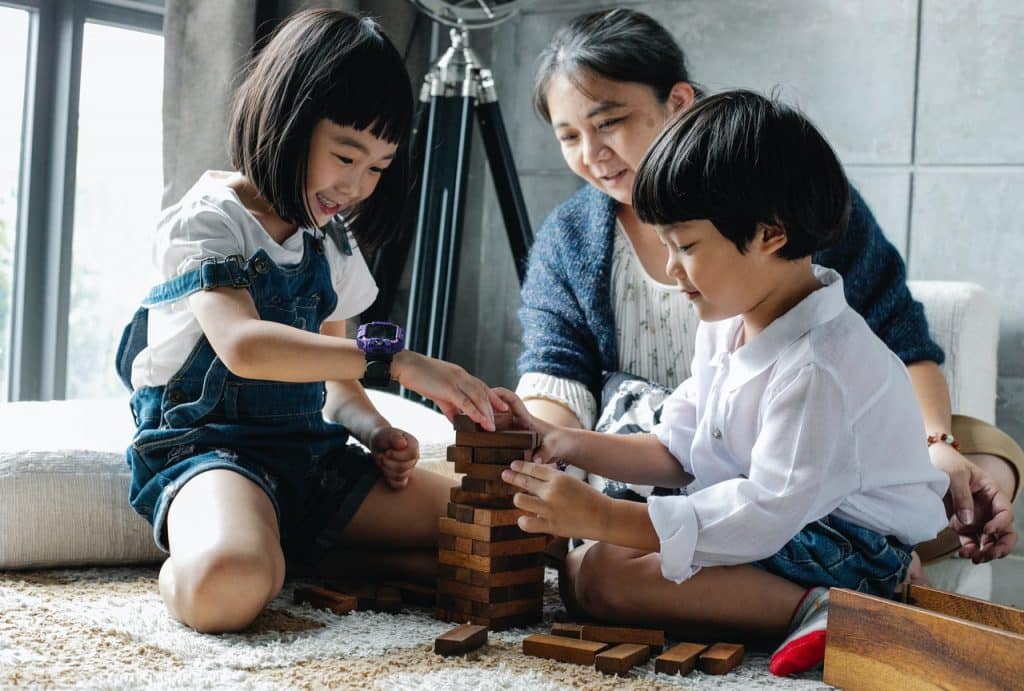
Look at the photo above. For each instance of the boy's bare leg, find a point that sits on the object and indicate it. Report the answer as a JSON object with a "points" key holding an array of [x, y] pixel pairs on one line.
{"points": [[393, 533], [626, 586], [226, 562]]}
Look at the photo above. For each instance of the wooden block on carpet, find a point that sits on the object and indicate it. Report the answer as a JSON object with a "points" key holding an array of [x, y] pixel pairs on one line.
{"points": [[621, 658], [623, 634], [720, 658], [679, 659], [511, 439], [460, 640], [567, 630], [562, 649], [875, 643], [323, 598]]}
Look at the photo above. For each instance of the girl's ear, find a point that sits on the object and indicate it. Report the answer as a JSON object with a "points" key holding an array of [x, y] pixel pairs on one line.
{"points": [[680, 97], [771, 237]]}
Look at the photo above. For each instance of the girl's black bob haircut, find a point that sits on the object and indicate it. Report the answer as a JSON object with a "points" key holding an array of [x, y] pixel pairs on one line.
{"points": [[619, 44], [323, 64], [739, 159]]}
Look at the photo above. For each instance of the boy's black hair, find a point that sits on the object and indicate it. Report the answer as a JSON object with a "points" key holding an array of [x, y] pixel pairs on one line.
{"points": [[618, 44], [323, 64], [739, 159]]}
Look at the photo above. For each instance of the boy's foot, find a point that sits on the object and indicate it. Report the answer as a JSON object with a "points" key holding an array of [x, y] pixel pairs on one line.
{"points": [[804, 647]]}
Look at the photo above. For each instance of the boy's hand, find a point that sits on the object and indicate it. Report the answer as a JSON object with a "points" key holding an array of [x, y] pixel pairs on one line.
{"points": [[395, 452], [547, 434], [451, 387], [559, 504]]}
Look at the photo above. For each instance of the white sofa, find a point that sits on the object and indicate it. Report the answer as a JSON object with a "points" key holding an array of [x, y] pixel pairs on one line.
{"points": [[64, 482]]}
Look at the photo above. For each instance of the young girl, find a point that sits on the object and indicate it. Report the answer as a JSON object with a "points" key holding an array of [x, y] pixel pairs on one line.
{"points": [[240, 459]]}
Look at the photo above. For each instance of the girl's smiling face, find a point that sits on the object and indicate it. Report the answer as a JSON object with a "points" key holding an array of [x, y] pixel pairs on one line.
{"points": [[343, 168], [605, 127]]}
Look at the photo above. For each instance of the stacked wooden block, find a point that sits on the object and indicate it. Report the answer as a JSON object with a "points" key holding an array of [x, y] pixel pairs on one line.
{"points": [[489, 571]]}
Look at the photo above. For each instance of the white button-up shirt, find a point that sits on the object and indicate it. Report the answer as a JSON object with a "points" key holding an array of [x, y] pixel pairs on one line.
{"points": [[814, 416]]}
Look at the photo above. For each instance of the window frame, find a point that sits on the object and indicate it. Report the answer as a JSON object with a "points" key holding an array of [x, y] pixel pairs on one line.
{"points": [[44, 226]]}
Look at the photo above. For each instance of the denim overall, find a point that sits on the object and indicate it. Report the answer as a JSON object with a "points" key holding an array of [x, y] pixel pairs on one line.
{"points": [[271, 432]]}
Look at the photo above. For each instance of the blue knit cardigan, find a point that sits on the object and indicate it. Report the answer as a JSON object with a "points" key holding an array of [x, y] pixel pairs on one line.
{"points": [[566, 313]]}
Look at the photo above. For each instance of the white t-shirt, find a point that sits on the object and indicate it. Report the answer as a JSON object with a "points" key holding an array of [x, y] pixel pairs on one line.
{"points": [[813, 416], [211, 221]]}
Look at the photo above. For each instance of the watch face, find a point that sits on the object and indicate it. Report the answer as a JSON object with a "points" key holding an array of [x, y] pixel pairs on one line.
{"points": [[381, 330]]}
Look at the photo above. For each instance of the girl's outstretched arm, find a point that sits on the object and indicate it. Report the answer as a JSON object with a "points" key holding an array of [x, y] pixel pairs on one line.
{"points": [[257, 349]]}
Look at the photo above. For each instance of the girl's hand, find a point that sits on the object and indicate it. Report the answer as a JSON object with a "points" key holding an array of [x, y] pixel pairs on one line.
{"points": [[559, 504], [395, 452], [548, 436], [452, 388]]}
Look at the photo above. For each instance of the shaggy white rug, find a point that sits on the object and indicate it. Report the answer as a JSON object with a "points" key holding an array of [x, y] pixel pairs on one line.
{"points": [[106, 628]]}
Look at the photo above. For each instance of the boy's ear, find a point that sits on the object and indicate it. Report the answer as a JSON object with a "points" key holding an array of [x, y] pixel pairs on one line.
{"points": [[680, 97], [772, 237]]}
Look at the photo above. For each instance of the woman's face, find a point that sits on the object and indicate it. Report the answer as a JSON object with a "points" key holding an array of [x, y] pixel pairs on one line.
{"points": [[605, 132]]}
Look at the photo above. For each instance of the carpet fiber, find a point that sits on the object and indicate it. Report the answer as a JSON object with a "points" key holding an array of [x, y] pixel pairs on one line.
{"points": [[107, 628]]}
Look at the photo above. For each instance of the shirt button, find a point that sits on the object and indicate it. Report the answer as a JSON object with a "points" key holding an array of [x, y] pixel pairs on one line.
{"points": [[716, 433]]}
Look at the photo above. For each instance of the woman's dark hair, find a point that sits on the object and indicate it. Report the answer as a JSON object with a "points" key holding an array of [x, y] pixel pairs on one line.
{"points": [[618, 44], [323, 64], [739, 159]]}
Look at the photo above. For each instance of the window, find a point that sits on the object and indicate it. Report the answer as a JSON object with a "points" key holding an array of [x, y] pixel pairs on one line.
{"points": [[13, 55], [80, 186]]}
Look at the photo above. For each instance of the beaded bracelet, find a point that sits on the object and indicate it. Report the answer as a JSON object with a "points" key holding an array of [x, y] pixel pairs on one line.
{"points": [[946, 438]]}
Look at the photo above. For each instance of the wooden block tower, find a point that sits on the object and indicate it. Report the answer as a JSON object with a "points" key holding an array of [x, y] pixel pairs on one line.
{"points": [[489, 571]]}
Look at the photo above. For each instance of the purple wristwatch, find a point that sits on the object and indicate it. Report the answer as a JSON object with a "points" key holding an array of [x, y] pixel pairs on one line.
{"points": [[379, 341]]}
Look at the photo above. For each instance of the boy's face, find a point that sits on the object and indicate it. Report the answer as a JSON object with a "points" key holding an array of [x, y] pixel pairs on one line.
{"points": [[719, 281], [343, 169]]}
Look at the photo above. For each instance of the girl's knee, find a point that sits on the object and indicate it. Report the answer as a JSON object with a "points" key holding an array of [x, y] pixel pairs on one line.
{"points": [[225, 589]]}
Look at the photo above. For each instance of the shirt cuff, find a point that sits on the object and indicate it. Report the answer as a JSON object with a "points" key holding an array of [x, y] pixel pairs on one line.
{"points": [[569, 392], [675, 522]]}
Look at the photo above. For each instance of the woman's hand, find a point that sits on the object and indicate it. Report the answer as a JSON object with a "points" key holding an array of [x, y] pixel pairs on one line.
{"points": [[395, 452], [557, 503], [452, 388], [548, 436], [979, 509]]}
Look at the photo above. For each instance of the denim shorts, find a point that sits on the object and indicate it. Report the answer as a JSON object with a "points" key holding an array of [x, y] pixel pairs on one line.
{"points": [[306, 466], [835, 553]]}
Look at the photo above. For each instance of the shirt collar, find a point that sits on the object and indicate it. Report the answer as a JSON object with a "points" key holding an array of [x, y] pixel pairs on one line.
{"points": [[821, 306]]}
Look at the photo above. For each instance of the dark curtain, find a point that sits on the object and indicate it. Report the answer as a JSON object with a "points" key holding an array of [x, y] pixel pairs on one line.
{"points": [[207, 43]]}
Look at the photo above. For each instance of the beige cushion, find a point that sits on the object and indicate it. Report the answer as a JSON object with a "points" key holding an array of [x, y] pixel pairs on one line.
{"points": [[64, 481]]}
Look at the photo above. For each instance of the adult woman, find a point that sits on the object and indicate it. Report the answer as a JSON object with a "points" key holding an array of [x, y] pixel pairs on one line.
{"points": [[607, 84]]}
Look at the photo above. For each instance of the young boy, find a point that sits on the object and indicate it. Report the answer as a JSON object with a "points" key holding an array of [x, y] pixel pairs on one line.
{"points": [[798, 427]]}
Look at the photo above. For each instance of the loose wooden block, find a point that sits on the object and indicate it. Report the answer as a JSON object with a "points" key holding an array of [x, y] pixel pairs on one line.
{"points": [[475, 562], [414, 593], [874, 643], [527, 545], [499, 456], [720, 658], [482, 533], [481, 499], [623, 634], [459, 454], [498, 488], [322, 598], [491, 580], [502, 422], [963, 607], [481, 471], [512, 439], [621, 658], [562, 649], [680, 659], [567, 630], [460, 640]]}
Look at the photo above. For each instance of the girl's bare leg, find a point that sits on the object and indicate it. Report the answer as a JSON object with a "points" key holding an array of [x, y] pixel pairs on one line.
{"points": [[625, 585], [226, 562], [393, 533]]}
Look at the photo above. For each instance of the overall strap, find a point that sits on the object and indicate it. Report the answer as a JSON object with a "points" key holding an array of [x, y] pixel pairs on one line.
{"points": [[231, 271]]}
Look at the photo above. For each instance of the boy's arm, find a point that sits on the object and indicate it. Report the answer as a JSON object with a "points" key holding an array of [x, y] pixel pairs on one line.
{"points": [[636, 458]]}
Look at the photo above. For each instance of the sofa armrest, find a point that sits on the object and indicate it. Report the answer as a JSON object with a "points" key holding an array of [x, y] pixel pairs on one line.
{"points": [[964, 321]]}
